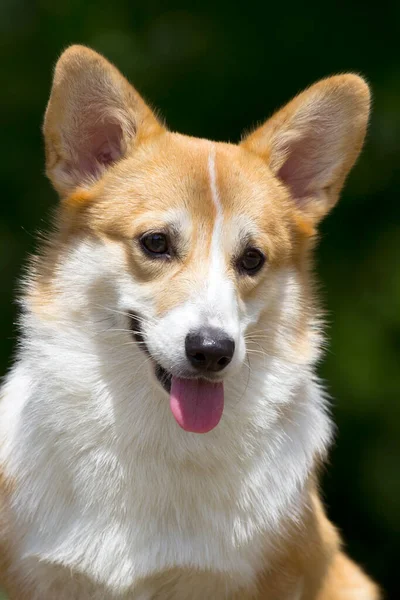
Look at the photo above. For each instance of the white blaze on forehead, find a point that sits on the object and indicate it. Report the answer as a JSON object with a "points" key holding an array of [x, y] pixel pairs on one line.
{"points": [[216, 252], [220, 292], [214, 186]]}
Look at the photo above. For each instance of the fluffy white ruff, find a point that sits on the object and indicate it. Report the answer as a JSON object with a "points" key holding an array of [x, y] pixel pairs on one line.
{"points": [[107, 485]]}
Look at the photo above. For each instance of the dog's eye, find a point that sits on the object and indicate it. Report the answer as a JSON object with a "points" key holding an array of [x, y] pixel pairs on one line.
{"points": [[251, 261], [155, 243]]}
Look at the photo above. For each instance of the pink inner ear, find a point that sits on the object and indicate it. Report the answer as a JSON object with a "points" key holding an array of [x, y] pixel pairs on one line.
{"points": [[303, 166], [101, 148], [293, 172]]}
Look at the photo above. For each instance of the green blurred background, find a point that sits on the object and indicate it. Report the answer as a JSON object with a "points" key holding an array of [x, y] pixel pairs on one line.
{"points": [[215, 68]]}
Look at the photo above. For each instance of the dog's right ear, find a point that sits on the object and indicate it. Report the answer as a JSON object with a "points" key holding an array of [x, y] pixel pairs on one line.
{"points": [[93, 119]]}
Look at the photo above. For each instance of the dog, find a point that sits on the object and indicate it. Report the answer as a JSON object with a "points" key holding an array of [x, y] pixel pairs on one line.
{"points": [[163, 428]]}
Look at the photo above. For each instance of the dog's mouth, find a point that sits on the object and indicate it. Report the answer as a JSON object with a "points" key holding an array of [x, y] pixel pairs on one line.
{"points": [[196, 402], [162, 375]]}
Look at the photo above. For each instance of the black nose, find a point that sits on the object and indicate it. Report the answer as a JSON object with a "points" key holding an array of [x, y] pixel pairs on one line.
{"points": [[209, 349]]}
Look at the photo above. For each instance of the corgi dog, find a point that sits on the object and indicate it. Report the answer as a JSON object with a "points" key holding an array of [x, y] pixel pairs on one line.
{"points": [[163, 428]]}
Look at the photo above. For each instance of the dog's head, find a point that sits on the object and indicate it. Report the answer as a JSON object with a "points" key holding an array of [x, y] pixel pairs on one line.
{"points": [[204, 246]]}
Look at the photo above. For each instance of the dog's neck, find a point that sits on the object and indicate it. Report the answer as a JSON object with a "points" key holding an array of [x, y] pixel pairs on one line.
{"points": [[120, 492]]}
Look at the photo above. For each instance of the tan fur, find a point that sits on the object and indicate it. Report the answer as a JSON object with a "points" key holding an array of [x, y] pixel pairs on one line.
{"points": [[281, 231], [8, 579], [347, 95], [165, 173], [5, 550], [81, 79], [317, 558]]}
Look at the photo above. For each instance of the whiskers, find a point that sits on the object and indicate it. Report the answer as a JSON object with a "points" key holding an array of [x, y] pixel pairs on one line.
{"points": [[131, 317], [127, 314], [265, 341]]}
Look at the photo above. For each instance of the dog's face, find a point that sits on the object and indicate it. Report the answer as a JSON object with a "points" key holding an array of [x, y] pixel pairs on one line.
{"points": [[203, 243], [200, 241]]}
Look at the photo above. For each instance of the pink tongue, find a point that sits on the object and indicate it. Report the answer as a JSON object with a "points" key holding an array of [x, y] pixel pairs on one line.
{"points": [[196, 404]]}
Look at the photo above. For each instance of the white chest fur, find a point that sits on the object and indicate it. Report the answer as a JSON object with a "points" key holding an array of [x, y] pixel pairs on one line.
{"points": [[110, 487]]}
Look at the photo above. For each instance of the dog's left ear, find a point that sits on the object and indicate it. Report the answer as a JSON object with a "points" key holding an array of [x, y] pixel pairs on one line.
{"points": [[94, 118], [311, 144]]}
